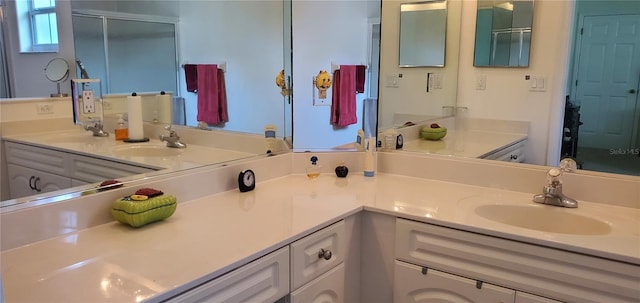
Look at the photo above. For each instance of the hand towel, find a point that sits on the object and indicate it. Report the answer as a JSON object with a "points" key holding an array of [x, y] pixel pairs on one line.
{"points": [[361, 71], [212, 100], [343, 105], [191, 77]]}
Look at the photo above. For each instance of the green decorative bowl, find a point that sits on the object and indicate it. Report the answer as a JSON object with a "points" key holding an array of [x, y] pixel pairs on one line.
{"points": [[429, 133], [139, 213]]}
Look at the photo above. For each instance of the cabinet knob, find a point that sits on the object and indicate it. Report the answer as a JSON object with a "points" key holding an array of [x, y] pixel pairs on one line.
{"points": [[324, 254]]}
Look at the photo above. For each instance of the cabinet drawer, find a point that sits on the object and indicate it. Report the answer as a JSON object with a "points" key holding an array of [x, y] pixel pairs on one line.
{"points": [[97, 170], [41, 159], [413, 285], [529, 298], [306, 264], [562, 275], [513, 153], [328, 288], [263, 280]]}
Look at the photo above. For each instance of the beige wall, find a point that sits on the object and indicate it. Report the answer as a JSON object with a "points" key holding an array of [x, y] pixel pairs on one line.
{"points": [[507, 94]]}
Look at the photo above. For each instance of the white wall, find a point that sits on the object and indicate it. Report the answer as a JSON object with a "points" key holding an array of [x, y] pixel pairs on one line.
{"points": [[325, 32], [27, 69], [252, 48], [507, 95]]}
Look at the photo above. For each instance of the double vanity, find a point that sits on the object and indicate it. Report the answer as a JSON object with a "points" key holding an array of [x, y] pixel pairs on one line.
{"points": [[390, 238], [48, 161]]}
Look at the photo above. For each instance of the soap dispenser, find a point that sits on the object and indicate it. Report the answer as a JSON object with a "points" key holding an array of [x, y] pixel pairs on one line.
{"points": [[313, 170], [122, 131]]}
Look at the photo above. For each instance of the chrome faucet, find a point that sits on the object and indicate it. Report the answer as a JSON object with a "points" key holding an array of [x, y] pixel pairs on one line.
{"points": [[173, 140], [552, 192], [97, 129]]}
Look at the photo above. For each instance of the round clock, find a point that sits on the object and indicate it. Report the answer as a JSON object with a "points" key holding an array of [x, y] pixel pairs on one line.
{"points": [[246, 180]]}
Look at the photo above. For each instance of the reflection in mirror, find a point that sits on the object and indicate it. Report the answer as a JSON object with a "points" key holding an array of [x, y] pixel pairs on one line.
{"points": [[423, 29], [115, 48], [130, 52], [503, 33], [57, 70], [403, 94]]}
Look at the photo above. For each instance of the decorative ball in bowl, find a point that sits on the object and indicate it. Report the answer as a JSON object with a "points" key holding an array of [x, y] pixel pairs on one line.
{"points": [[433, 132]]}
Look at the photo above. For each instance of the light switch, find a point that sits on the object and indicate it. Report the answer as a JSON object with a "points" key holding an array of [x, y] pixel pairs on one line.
{"points": [[537, 83], [391, 80]]}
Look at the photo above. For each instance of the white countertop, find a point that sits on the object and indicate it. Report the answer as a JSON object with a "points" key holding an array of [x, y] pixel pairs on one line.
{"points": [[83, 143], [473, 144], [209, 236]]}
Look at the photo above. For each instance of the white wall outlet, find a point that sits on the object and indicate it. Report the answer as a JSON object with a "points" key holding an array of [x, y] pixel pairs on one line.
{"points": [[481, 82], [88, 102], [44, 109]]}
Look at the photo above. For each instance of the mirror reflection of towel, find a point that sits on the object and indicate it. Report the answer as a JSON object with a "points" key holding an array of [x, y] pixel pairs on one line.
{"points": [[191, 77], [212, 94], [343, 98], [360, 78]]}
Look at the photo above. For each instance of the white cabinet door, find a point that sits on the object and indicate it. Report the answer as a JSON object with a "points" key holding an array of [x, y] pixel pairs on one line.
{"points": [[317, 253], [522, 297], [328, 288], [97, 170], [25, 181], [262, 281], [412, 286]]}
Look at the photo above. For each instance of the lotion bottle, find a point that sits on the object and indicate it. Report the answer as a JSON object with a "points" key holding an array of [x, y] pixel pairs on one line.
{"points": [[369, 158]]}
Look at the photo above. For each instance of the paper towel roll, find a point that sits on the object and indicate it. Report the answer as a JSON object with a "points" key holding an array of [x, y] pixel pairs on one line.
{"points": [[134, 108], [163, 102]]}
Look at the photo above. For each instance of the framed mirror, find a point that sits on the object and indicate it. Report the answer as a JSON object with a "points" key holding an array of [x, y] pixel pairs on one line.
{"points": [[503, 33], [263, 23], [423, 32]]}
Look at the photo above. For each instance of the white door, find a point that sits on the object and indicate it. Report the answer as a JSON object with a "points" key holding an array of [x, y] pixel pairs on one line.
{"points": [[607, 79], [414, 286]]}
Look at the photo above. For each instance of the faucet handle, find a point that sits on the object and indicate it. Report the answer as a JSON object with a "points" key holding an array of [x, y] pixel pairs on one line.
{"points": [[568, 165], [168, 127]]}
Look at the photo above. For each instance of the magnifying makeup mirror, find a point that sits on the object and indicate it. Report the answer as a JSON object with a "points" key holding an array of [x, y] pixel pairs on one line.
{"points": [[57, 70]]}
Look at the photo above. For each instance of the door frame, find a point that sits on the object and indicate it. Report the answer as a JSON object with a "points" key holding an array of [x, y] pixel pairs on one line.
{"points": [[575, 60]]}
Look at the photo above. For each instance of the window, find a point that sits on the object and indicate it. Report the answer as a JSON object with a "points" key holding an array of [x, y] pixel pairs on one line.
{"points": [[38, 25]]}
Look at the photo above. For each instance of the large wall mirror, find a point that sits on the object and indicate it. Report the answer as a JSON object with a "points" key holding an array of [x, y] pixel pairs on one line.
{"points": [[503, 33], [404, 96], [423, 30], [113, 40]]}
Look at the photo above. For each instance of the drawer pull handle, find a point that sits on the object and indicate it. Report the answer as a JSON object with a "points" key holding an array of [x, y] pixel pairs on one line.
{"points": [[31, 182], [35, 185], [324, 254]]}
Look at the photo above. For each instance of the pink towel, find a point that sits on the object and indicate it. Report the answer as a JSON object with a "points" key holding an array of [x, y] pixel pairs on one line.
{"points": [[212, 95], [343, 99]]}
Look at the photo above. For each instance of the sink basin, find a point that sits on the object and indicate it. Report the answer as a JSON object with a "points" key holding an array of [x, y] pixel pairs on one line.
{"points": [[146, 151], [544, 218]]}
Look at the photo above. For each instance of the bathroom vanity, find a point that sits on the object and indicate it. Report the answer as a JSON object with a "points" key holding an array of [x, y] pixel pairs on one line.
{"points": [[48, 161], [296, 238]]}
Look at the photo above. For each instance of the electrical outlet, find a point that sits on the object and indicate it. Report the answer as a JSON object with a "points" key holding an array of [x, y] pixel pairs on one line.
{"points": [[44, 109], [88, 101]]}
